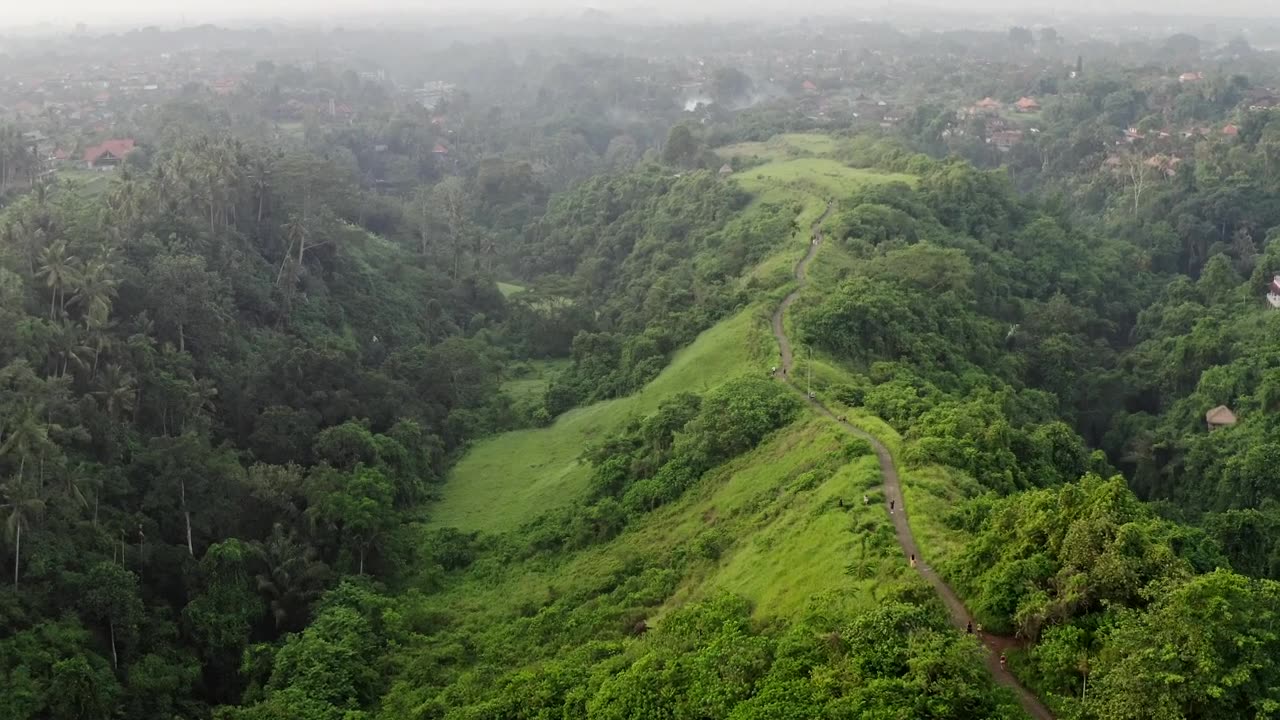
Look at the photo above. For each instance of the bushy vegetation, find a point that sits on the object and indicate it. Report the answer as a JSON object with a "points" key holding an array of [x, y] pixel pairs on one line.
{"points": [[234, 376], [657, 257], [218, 395]]}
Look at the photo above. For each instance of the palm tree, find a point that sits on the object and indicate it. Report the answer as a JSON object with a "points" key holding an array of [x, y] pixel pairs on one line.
{"points": [[68, 348], [58, 268], [97, 289], [22, 506], [125, 200], [260, 179], [75, 478], [293, 576], [117, 390], [99, 338], [28, 439]]}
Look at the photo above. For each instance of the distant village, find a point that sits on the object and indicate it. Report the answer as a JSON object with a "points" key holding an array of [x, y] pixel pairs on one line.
{"points": [[88, 112], [78, 116]]}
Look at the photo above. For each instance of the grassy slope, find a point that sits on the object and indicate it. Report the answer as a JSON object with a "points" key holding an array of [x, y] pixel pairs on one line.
{"points": [[533, 384], [89, 183], [778, 508], [509, 479], [787, 545], [930, 491], [819, 176], [509, 289]]}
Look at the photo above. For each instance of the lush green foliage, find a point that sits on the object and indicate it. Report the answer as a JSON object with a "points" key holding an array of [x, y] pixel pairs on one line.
{"points": [[657, 257], [217, 395]]}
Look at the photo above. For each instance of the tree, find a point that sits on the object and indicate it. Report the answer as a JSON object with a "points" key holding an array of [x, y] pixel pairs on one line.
{"points": [[223, 609], [22, 506], [29, 438], [110, 596], [184, 293], [80, 691], [117, 391], [292, 576], [1222, 625], [357, 507], [453, 203], [681, 148], [207, 481], [96, 291], [59, 269], [326, 672]]}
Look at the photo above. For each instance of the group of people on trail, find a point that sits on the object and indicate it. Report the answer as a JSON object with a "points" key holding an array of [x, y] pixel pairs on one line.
{"points": [[1004, 660]]}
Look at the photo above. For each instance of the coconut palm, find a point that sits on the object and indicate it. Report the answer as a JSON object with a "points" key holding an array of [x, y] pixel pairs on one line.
{"points": [[100, 339], [28, 439], [260, 181], [22, 506], [59, 268], [292, 578], [96, 290], [69, 348], [117, 390]]}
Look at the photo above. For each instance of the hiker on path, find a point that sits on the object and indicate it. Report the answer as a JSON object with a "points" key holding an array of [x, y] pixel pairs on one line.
{"points": [[1002, 661], [913, 559], [969, 627], [891, 507]]}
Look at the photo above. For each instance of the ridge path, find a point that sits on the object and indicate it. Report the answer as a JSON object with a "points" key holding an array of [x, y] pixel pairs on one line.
{"points": [[959, 615]]}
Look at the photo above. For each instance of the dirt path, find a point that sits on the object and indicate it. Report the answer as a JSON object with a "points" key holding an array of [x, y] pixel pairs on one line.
{"points": [[959, 615]]}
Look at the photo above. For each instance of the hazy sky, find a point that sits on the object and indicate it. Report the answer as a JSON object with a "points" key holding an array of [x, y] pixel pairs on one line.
{"points": [[65, 12]]}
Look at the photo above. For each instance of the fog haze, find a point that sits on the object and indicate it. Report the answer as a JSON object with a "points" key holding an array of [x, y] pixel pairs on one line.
{"points": [[64, 12]]}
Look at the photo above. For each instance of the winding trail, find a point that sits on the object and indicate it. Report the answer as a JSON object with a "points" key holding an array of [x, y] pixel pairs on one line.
{"points": [[960, 617]]}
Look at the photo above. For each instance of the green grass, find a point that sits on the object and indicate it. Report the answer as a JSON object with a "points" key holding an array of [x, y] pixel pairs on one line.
{"points": [[509, 289], [787, 539], [787, 544], [532, 381], [509, 479], [930, 492], [801, 543], [820, 176], [89, 183], [778, 269], [783, 146]]}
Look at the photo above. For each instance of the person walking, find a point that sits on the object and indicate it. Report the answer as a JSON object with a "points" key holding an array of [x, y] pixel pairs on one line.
{"points": [[913, 559], [968, 628], [891, 507], [1003, 662]]}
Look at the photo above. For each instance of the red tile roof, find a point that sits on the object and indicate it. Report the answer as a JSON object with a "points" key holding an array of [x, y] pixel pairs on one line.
{"points": [[116, 148]]}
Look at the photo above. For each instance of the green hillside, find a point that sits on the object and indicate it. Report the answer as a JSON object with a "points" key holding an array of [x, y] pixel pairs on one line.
{"points": [[509, 479], [794, 526], [772, 520]]}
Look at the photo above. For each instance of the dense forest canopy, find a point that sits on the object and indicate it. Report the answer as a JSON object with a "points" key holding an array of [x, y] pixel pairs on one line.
{"points": [[242, 364]]}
